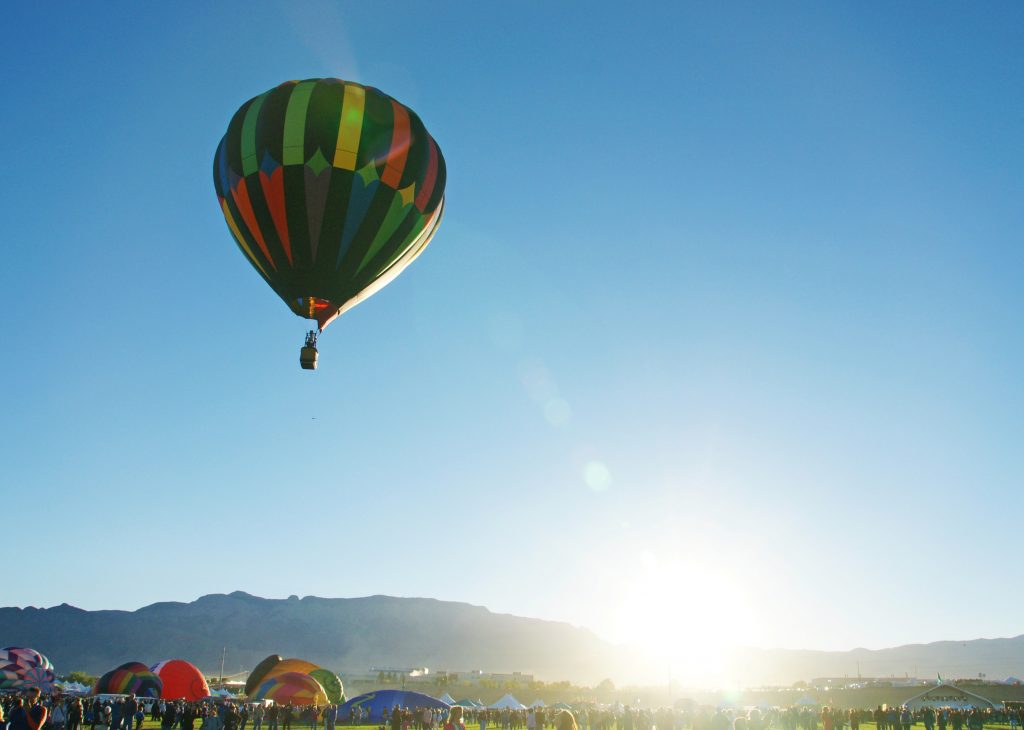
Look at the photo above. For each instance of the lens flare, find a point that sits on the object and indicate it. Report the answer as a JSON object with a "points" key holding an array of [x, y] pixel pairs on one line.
{"points": [[597, 476]]}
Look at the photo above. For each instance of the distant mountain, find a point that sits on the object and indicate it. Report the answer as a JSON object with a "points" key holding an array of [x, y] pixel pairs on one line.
{"points": [[344, 634], [995, 658], [354, 634]]}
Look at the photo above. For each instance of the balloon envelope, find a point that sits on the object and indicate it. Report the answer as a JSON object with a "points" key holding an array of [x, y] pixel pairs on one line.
{"points": [[24, 668], [330, 189], [9, 678], [38, 677], [284, 666], [129, 678], [257, 674], [181, 680], [377, 702], [331, 683], [291, 687]]}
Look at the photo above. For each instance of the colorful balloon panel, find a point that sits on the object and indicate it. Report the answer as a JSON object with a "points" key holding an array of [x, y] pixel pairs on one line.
{"points": [[284, 666], [331, 683], [293, 688], [9, 679], [129, 678], [257, 674], [181, 680], [39, 677], [330, 189], [24, 668]]}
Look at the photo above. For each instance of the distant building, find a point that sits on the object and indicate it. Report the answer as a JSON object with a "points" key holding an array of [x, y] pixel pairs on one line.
{"points": [[826, 683], [948, 695], [517, 677]]}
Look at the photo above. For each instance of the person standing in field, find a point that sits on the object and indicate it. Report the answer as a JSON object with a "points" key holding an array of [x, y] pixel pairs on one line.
{"points": [[455, 720], [565, 721], [75, 715], [32, 717]]}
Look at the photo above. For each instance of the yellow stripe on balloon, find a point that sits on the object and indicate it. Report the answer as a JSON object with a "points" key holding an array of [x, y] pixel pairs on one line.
{"points": [[238, 237], [350, 127]]}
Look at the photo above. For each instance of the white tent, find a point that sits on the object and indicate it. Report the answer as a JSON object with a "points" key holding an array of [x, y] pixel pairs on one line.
{"points": [[806, 701], [508, 702], [74, 688], [538, 703], [447, 699]]}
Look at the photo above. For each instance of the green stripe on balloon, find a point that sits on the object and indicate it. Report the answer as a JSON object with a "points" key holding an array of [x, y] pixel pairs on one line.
{"points": [[295, 123], [250, 161]]}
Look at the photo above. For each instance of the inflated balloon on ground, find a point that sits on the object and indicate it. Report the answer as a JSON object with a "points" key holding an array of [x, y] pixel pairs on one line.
{"points": [[129, 678], [25, 668], [291, 665], [291, 687], [256, 675], [181, 680], [331, 683]]}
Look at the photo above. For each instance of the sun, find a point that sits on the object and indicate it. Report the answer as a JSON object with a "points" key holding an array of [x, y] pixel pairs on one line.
{"points": [[686, 614]]}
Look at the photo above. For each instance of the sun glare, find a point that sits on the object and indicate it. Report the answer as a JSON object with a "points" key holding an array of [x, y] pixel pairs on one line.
{"points": [[686, 615]]}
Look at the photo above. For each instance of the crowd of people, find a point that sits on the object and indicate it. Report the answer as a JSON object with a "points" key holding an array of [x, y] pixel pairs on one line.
{"points": [[30, 711]]}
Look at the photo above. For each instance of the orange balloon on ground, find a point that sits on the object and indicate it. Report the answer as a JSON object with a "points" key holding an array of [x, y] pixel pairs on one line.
{"points": [[182, 680]]}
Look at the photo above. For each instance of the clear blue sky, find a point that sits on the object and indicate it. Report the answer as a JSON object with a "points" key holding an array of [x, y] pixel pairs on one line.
{"points": [[726, 309]]}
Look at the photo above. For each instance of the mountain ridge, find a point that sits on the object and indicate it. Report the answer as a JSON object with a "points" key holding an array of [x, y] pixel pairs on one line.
{"points": [[350, 635]]}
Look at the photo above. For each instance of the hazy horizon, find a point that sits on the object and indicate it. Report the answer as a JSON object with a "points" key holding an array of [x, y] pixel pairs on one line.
{"points": [[133, 608]]}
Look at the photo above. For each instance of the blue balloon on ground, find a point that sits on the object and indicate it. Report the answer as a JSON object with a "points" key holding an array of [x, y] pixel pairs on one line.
{"points": [[377, 702]]}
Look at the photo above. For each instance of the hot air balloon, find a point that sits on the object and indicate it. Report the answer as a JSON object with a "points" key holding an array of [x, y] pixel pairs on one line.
{"points": [[291, 687], [23, 668], [181, 680], [257, 674], [291, 665], [129, 678], [330, 189], [331, 683]]}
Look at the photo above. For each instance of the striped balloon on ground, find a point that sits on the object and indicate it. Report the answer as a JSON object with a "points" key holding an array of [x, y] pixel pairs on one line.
{"points": [[129, 678], [291, 688]]}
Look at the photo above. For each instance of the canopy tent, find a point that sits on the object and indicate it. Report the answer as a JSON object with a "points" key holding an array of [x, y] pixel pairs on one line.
{"points": [[466, 703], [508, 702], [386, 699], [447, 699], [538, 703], [561, 706], [806, 701], [948, 695], [72, 688]]}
